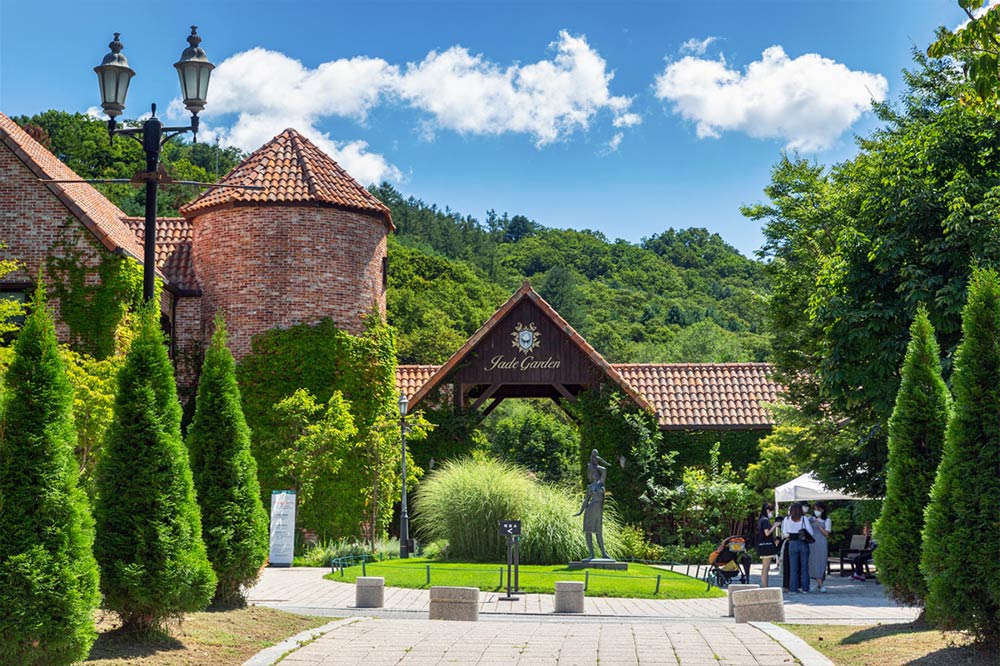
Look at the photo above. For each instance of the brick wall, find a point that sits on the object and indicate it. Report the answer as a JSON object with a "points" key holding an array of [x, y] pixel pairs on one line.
{"points": [[189, 333], [270, 266]]}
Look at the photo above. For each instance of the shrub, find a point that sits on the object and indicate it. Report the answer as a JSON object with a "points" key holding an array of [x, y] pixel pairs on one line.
{"points": [[916, 436], [234, 524], [961, 531], [48, 576], [321, 554], [149, 546], [463, 501], [538, 441]]}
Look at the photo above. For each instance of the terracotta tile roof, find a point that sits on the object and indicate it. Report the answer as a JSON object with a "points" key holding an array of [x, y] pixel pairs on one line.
{"points": [[684, 395], [705, 395], [100, 216], [292, 170], [173, 249], [409, 378]]}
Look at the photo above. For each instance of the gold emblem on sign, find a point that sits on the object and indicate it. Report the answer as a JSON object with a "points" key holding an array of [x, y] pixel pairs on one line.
{"points": [[526, 338]]}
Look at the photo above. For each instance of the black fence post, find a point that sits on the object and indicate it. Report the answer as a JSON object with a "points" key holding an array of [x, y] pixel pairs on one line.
{"points": [[428, 574], [657, 591], [586, 580]]}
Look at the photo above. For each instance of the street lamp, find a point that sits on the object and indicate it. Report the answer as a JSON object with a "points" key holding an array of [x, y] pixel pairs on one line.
{"points": [[404, 518], [114, 75]]}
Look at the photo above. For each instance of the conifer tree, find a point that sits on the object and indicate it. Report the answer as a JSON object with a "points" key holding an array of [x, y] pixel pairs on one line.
{"points": [[916, 437], [149, 546], [48, 576], [234, 522], [961, 531]]}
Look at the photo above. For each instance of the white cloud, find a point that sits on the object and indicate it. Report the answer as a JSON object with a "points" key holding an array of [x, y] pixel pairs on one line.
{"points": [[616, 142], [459, 91], [697, 46], [547, 100], [807, 101]]}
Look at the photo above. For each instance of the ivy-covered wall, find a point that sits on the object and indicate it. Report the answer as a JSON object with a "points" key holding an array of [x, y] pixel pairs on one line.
{"points": [[693, 447], [323, 359]]}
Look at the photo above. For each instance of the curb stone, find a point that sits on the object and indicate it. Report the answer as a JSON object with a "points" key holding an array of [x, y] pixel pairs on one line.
{"points": [[798, 648], [270, 656]]}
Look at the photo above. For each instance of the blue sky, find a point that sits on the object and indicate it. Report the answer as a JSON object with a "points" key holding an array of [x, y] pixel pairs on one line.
{"points": [[625, 117]]}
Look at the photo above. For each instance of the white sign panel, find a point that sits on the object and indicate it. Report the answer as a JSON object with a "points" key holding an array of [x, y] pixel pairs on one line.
{"points": [[282, 527]]}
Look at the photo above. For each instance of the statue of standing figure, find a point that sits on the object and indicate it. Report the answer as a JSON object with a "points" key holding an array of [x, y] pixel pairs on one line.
{"points": [[593, 504]]}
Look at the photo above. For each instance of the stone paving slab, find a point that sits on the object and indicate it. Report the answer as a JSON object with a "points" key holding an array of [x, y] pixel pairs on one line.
{"points": [[303, 590], [376, 642]]}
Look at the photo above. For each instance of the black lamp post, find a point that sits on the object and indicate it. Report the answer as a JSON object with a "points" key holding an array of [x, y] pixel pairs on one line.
{"points": [[114, 75], [404, 518]]}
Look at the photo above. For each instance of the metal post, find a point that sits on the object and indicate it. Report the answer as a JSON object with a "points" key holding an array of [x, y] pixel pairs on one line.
{"points": [[586, 579], [152, 135], [364, 572], [517, 565], [404, 518], [428, 574], [657, 590]]}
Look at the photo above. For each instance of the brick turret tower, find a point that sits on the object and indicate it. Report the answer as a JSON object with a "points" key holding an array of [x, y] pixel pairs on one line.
{"points": [[311, 244]]}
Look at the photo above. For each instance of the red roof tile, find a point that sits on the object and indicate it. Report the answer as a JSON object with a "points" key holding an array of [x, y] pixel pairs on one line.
{"points": [[684, 395], [292, 170], [100, 216], [173, 249], [705, 395]]}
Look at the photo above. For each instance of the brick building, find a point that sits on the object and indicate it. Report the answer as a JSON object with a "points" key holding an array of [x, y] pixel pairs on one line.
{"points": [[310, 244]]}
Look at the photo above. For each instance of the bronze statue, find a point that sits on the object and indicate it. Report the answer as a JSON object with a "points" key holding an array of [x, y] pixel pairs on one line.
{"points": [[593, 504]]}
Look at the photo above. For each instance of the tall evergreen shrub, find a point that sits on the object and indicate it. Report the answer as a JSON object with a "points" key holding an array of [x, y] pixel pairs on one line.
{"points": [[149, 546], [962, 531], [48, 576], [234, 523], [916, 437]]}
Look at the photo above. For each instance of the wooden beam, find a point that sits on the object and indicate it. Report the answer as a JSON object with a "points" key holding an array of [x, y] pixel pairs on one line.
{"points": [[565, 392], [486, 395], [562, 406], [493, 405]]}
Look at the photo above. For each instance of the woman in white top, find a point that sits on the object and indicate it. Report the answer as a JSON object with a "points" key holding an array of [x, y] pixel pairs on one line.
{"points": [[798, 548], [819, 551]]}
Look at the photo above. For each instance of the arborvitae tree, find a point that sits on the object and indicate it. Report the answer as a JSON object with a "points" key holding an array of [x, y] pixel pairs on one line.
{"points": [[48, 576], [234, 522], [149, 546], [961, 531], [916, 437]]}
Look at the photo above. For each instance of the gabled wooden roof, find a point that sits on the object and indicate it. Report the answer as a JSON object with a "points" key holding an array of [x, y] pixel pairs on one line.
{"points": [[526, 292]]}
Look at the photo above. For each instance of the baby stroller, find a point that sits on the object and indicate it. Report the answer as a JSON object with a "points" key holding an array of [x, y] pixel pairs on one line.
{"points": [[730, 560]]}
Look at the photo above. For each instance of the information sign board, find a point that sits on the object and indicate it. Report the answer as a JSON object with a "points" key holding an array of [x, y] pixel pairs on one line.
{"points": [[282, 528], [510, 527]]}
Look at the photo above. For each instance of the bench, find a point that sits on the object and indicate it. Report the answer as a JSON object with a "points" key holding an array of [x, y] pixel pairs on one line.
{"points": [[857, 551], [369, 591], [569, 596], [736, 587], [763, 605], [454, 603]]}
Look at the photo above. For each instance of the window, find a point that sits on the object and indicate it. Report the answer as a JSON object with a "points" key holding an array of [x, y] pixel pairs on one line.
{"points": [[15, 292]]}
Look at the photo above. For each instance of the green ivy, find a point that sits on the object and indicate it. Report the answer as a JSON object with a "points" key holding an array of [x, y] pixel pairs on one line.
{"points": [[693, 447], [93, 300]]}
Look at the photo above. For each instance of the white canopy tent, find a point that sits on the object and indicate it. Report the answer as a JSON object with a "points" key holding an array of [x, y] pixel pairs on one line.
{"points": [[808, 487]]}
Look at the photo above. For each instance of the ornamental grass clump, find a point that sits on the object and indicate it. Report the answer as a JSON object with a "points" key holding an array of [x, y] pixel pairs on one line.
{"points": [[234, 523], [463, 502], [148, 545], [48, 576]]}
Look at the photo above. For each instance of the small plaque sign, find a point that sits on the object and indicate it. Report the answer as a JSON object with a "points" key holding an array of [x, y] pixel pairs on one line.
{"points": [[282, 528], [510, 527]]}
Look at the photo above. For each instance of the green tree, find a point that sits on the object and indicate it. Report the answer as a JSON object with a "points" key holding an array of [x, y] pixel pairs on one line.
{"points": [[94, 383], [537, 441], [977, 47], [776, 463], [48, 576], [916, 436], [961, 530], [234, 523], [149, 545]]}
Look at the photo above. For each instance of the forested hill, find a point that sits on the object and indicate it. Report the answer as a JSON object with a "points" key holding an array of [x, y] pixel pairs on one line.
{"points": [[680, 295]]}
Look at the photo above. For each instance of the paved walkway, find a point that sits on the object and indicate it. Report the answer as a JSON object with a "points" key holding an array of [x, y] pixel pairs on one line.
{"points": [[303, 590]]}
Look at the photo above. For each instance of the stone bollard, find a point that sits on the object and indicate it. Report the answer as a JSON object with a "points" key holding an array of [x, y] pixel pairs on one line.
{"points": [[764, 605], [454, 603], [369, 591], [569, 596], [736, 587]]}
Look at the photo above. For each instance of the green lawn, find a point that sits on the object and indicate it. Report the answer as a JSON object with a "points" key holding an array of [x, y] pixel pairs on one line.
{"points": [[639, 581]]}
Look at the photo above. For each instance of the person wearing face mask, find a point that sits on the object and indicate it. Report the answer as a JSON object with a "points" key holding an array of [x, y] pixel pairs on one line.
{"points": [[797, 528], [767, 546], [819, 551]]}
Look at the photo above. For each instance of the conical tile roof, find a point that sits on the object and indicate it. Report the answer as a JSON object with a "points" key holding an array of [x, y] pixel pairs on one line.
{"points": [[292, 170]]}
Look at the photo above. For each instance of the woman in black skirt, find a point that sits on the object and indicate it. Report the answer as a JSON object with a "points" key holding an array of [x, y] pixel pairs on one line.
{"points": [[766, 541]]}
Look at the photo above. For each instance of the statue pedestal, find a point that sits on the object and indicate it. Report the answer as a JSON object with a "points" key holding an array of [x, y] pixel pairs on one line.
{"points": [[599, 563]]}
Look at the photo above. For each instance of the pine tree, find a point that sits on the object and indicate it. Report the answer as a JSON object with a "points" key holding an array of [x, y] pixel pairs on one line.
{"points": [[149, 546], [961, 531], [916, 437], [48, 576], [234, 522]]}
